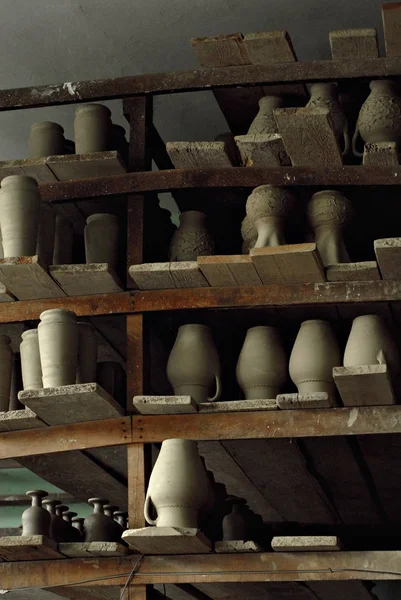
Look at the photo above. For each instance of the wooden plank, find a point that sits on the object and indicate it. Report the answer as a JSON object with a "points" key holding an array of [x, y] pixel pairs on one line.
{"points": [[33, 547], [391, 15], [352, 44], [295, 263], [262, 150], [135, 356], [167, 540], [388, 254], [88, 549], [229, 270], [360, 271], [152, 276], [380, 153], [296, 401], [15, 420], [235, 546], [199, 155], [308, 136], [237, 406], [5, 295], [27, 278], [187, 274], [86, 279], [164, 405], [269, 47], [137, 485], [83, 166], [33, 167], [306, 543], [368, 385]]}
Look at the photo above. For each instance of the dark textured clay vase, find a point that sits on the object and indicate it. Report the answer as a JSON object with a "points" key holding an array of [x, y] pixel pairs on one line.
{"points": [[192, 238], [36, 519], [118, 530], [78, 524], [98, 526], [57, 524], [73, 533], [235, 523]]}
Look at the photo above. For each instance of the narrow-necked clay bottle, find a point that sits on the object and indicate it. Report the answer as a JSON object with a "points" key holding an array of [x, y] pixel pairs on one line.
{"points": [[64, 528], [235, 523], [325, 95], [19, 215], [267, 207], [249, 235], [193, 367], [98, 527], [92, 128], [46, 234], [192, 238], [73, 533], [16, 383], [58, 347], [6, 365], [57, 525], [30, 360], [102, 234], [121, 517], [36, 519], [78, 523], [264, 122], [45, 139], [87, 353], [109, 512], [63, 241]]}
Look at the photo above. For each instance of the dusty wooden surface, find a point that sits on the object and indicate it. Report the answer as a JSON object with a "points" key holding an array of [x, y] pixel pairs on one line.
{"points": [[89, 549], [262, 150], [167, 540], [159, 405], [293, 263], [296, 401], [360, 271], [187, 274], [391, 13], [27, 279], [13, 420], [137, 467], [80, 166], [368, 385], [388, 254], [34, 547], [198, 155], [237, 406], [352, 44], [86, 279], [380, 154], [306, 543], [234, 546]]}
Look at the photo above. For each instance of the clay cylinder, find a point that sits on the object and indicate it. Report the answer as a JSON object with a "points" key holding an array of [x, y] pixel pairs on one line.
{"points": [[45, 139], [98, 527], [262, 364], [92, 128], [178, 486], [264, 122], [36, 519], [6, 362], [63, 241], [19, 215], [235, 524], [46, 234], [193, 367], [30, 360], [102, 234], [58, 347], [192, 238], [267, 208], [87, 353]]}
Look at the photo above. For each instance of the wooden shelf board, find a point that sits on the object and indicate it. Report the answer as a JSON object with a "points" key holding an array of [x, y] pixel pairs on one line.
{"points": [[237, 406], [81, 166], [15, 420], [5, 295], [89, 549], [306, 543], [86, 280], [33, 167], [236, 546], [170, 405], [360, 271], [27, 279], [308, 401], [368, 385], [34, 547], [167, 540]]}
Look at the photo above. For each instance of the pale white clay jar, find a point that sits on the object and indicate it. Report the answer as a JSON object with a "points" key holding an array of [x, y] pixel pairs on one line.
{"points": [[63, 241], [30, 360], [6, 363], [92, 128], [178, 486], [87, 353], [267, 207], [101, 235], [58, 347], [46, 139], [46, 234], [262, 364], [264, 122]]}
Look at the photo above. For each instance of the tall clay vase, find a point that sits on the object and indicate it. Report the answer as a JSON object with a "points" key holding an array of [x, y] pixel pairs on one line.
{"points": [[98, 527], [235, 524], [46, 234], [267, 207], [45, 139], [87, 353], [325, 95], [249, 235], [58, 347], [192, 238], [379, 119], [57, 525], [63, 241], [102, 234], [92, 128], [6, 365], [193, 367], [262, 364], [328, 213], [36, 519], [264, 122], [313, 357], [178, 486], [30, 360], [19, 215]]}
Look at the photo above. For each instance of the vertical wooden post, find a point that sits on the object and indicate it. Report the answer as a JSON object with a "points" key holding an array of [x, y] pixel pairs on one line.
{"points": [[136, 485], [136, 592]]}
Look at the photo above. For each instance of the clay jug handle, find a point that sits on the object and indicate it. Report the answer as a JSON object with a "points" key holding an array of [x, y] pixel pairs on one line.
{"points": [[218, 389], [354, 140], [347, 142], [146, 511]]}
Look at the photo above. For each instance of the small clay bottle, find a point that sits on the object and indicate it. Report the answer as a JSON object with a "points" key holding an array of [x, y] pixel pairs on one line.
{"points": [[102, 235], [57, 525], [63, 241], [325, 95], [30, 360], [111, 377], [109, 512], [45, 139], [192, 238], [78, 524], [6, 365], [92, 128], [73, 533], [63, 528], [87, 353], [118, 141], [235, 525], [264, 122], [121, 517], [98, 526], [36, 519], [58, 347], [267, 208]]}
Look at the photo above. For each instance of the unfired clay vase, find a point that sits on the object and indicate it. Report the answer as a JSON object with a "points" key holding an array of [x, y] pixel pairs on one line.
{"points": [[235, 523], [57, 525], [58, 347], [63, 241], [178, 486], [98, 527], [45, 139], [36, 519], [46, 234], [313, 357], [249, 235], [264, 122], [267, 208], [262, 364], [102, 233], [193, 367], [87, 353], [325, 95], [192, 238], [78, 523], [92, 128], [329, 212], [371, 343], [6, 365], [30, 360], [19, 215], [379, 119]]}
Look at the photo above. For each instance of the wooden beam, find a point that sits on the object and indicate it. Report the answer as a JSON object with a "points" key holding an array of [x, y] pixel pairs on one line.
{"points": [[136, 485]]}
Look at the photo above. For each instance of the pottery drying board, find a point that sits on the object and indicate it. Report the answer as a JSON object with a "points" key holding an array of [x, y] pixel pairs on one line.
{"points": [[86, 279], [33, 547], [89, 549], [167, 540], [26, 277], [368, 385]]}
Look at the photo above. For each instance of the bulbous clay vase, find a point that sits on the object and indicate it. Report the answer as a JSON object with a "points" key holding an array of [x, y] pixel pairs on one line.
{"points": [[178, 486], [46, 234], [6, 365], [87, 353], [328, 213], [19, 215], [121, 517], [262, 364], [325, 95], [371, 343], [45, 139], [78, 524], [235, 523], [36, 519], [16, 383], [58, 347], [102, 234], [30, 360], [249, 235], [313, 357], [92, 128], [63, 241], [192, 238], [98, 527], [264, 122], [193, 367], [267, 207], [57, 525], [379, 119]]}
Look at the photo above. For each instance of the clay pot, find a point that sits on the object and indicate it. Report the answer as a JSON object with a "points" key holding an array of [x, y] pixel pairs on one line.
{"points": [[121, 516], [36, 519], [92, 128], [63, 241], [178, 486], [19, 215], [102, 234], [46, 234], [118, 529], [110, 375], [98, 527], [328, 213], [235, 523], [192, 238], [249, 235], [264, 122], [73, 533], [87, 353], [267, 208], [57, 525], [313, 357], [45, 139], [78, 524], [193, 366], [16, 383], [6, 365], [325, 95], [262, 364], [30, 360], [58, 347], [371, 343], [379, 119]]}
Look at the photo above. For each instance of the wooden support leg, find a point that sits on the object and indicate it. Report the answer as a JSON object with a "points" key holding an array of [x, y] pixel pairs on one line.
{"points": [[137, 460], [137, 592]]}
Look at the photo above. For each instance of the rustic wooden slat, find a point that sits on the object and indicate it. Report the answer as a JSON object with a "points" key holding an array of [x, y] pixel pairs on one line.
{"points": [[187, 274], [80, 166], [86, 279], [235, 546], [295, 263], [199, 155], [368, 385], [5, 295], [167, 540], [354, 43], [34, 547], [237, 406], [296, 401], [15, 420], [33, 167], [152, 276], [229, 270], [27, 278], [269, 47], [137, 485], [380, 153], [360, 271], [164, 405], [306, 543], [388, 254], [89, 549], [262, 150], [391, 14]]}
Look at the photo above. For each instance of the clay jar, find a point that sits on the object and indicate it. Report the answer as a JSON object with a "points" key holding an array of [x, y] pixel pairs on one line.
{"points": [[46, 234], [267, 208], [235, 523], [325, 95], [313, 357], [64, 528], [262, 364], [87, 353], [6, 365], [45, 139], [118, 530], [102, 233], [191, 239], [36, 519], [19, 215], [30, 360], [328, 213], [178, 486], [58, 347], [98, 527], [78, 523], [379, 119], [63, 241], [16, 383], [73, 534], [264, 122], [193, 367], [249, 235], [57, 525], [92, 128]]}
